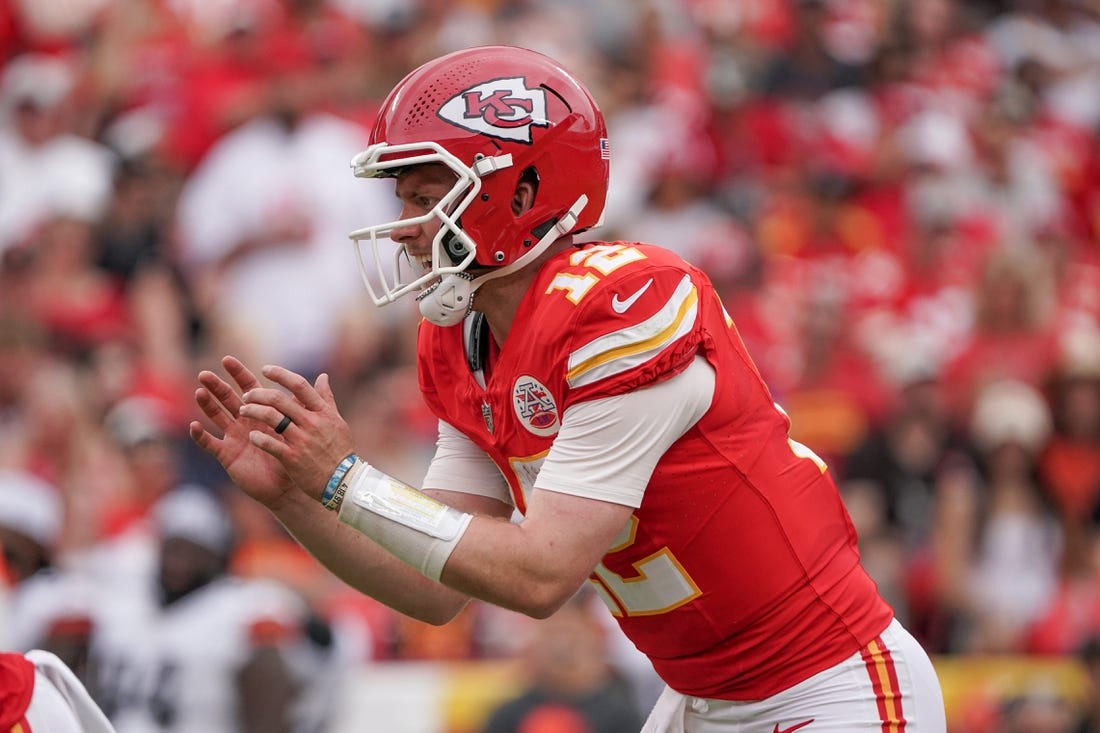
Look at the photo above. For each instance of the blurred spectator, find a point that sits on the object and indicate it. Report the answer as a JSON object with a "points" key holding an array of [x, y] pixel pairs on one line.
{"points": [[888, 483], [924, 319], [1013, 181], [635, 121], [1070, 465], [998, 539], [23, 351], [1070, 468], [151, 444], [133, 232], [53, 433], [1056, 40], [261, 221], [812, 66], [1071, 615], [945, 51], [81, 306], [51, 27], [46, 172], [221, 80], [1009, 338], [571, 686], [189, 647], [112, 336]]}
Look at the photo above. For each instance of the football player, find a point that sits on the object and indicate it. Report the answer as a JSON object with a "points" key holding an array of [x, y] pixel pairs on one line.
{"points": [[195, 647], [47, 606], [602, 391], [38, 692]]}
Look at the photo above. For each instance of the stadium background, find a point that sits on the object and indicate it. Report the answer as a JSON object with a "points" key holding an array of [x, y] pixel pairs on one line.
{"points": [[899, 200]]}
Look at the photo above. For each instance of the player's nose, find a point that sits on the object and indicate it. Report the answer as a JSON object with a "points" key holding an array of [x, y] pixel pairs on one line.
{"points": [[406, 232]]}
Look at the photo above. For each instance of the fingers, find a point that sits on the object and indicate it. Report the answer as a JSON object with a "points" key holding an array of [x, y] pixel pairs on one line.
{"points": [[266, 414], [218, 394], [205, 440], [324, 389], [298, 386], [268, 443], [223, 404], [266, 405], [241, 374], [213, 408]]}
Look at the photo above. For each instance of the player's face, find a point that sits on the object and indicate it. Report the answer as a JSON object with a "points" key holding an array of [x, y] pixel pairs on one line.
{"points": [[185, 567], [419, 189]]}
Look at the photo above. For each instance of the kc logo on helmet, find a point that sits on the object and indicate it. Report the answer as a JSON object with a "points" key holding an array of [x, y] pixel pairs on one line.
{"points": [[502, 108]]}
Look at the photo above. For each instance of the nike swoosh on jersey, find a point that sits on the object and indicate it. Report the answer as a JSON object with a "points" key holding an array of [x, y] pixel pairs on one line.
{"points": [[622, 306], [793, 727], [627, 348]]}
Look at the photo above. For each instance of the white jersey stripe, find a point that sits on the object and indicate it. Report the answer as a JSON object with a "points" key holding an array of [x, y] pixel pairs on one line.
{"points": [[626, 359], [626, 348]]}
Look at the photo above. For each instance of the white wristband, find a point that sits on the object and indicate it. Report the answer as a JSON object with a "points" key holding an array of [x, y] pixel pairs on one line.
{"points": [[413, 526]]}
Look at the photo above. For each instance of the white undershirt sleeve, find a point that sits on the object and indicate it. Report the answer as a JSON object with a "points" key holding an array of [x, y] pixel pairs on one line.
{"points": [[607, 448], [459, 465]]}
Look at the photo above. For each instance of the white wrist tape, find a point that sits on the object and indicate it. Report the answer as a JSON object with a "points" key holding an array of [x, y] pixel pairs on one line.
{"points": [[410, 524]]}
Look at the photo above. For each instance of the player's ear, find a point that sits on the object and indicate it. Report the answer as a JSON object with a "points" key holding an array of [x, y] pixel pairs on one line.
{"points": [[526, 189]]}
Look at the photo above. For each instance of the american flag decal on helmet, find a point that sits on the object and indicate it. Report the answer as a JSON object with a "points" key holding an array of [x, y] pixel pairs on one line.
{"points": [[605, 149]]}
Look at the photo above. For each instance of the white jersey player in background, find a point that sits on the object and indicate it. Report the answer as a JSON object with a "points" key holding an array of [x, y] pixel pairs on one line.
{"points": [[196, 649], [44, 606]]}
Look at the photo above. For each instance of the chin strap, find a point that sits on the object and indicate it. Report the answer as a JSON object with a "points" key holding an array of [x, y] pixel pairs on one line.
{"points": [[448, 302]]}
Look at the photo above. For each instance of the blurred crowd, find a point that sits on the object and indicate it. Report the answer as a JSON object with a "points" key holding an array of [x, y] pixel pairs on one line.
{"points": [[898, 199]]}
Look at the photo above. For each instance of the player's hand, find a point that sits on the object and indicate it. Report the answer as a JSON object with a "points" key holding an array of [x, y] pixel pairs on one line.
{"points": [[256, 472], [317, 437]]}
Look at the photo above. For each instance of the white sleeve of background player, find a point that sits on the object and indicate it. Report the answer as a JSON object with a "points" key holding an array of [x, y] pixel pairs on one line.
{"points": [[607, 448], [459, 465]]}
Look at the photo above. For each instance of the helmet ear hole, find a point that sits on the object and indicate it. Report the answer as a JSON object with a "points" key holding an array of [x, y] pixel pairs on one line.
{"points": [[455, 249], [530, 175], [527, 190]]}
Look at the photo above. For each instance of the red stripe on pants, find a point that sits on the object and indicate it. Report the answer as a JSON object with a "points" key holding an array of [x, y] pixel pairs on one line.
{"points": [[884, 680]]}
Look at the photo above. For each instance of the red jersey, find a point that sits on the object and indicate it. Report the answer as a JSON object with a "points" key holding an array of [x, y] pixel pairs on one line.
{"points": [[16, 688], [738, 575]]}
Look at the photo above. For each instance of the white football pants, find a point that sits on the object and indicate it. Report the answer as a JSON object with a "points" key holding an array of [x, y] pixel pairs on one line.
{"points": [[889, 686]]}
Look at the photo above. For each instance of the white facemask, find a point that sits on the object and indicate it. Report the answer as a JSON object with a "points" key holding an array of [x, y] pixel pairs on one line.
{"points": [[447, 303]]}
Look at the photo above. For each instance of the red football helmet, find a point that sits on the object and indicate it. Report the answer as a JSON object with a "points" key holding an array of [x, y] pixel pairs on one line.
{"points": [[491, 114]]}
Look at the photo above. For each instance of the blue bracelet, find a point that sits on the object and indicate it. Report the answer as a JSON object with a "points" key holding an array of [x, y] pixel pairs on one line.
{"points": [[337, 477]]}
